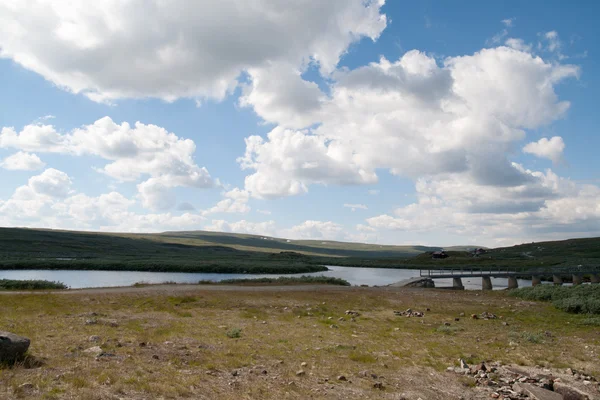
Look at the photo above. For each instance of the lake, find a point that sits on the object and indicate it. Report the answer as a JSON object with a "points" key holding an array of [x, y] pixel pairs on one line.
{"points": [[356, 276]]}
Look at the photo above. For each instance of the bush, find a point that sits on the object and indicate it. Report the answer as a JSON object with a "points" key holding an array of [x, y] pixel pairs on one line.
{"points": [[11, 284], [234, 333], [285, 280], [591, 321], [580, 299]]}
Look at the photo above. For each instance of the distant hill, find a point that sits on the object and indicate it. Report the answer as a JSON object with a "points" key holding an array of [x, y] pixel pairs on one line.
{"points": [[203, 251]]}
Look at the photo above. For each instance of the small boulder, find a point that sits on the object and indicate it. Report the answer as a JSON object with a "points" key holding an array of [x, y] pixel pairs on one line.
{"points": [[12, 347], [300, 373]]}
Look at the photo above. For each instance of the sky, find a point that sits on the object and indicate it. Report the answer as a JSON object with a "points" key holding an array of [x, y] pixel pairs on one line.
{"points": [[425, 122]]}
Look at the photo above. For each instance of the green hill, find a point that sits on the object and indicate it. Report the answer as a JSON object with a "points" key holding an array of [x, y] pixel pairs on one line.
{"points": [[200, 251]]}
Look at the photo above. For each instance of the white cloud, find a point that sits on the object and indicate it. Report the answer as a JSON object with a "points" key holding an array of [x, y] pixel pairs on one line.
{"points": [[235, 201], [354, 207], [551, 149], [374, 192], [176, 49], [141, 151], [509, 22], [414, 118], [519, 44], [51, 182], [290, 160], [21, 161], [547, 208], [265, 212], [256, 228], [310, 229]]}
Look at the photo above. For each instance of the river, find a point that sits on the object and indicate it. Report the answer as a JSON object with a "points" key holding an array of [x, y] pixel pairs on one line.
{"points": [[356, 276]]}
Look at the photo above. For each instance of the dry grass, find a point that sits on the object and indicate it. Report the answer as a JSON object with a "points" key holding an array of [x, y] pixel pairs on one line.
{"points": [[189, 350]]}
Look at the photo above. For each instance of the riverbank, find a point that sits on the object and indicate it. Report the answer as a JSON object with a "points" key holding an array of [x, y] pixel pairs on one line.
{"points": [[200, 341]]}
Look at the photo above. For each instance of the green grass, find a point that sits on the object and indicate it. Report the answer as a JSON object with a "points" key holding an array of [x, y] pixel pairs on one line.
{"points": [[285, 280], [10, 284], [580, 299]]}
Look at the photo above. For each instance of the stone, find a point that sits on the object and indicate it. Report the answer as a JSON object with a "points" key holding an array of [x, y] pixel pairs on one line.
{"points": [[342, 378], [155, 356], [569, 392], [94, 350], [94, 338], [304, 364], [12, 347], [536, 393], [463, 364], [300, 373], [378, 385]]}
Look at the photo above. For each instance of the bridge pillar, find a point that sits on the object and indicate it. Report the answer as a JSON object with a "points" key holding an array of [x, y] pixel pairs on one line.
{"points": [[536, 280], [457, 283], [577, 279], [594, 278], [557, 279], [486, 283], [512, 282]]}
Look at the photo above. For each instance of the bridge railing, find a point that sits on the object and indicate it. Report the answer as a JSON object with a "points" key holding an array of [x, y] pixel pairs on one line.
{"points": [[499, 270]]}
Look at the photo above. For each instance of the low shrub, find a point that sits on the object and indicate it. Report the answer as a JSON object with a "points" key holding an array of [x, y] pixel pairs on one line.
{"points": [[580, 299], [11, 284]]}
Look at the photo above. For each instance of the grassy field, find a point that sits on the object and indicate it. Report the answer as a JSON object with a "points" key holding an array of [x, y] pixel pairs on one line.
{"points": [[218, 344]]}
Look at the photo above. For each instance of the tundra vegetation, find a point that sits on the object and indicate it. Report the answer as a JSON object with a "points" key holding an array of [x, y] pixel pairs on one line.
{"points": [[330, 342]]}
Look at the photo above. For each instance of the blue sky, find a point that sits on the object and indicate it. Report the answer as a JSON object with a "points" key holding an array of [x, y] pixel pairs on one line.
{"points": [[419, 122]]}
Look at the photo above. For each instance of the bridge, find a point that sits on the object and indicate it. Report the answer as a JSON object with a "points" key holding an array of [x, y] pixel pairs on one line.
{"points": [[487, 273]]}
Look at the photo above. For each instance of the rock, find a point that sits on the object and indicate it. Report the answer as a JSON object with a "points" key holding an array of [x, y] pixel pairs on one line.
{"points": [[300, 373], [446, 323], [536, 393], [94, 338], [342, 378], [304, 364], [235, 372], [457, 319], [352, 313], [378, 385], [94, 350], [569, 392], [25, 389], [474, 316], [463, 364], [12, 347], [155, 356], [462, 314]]}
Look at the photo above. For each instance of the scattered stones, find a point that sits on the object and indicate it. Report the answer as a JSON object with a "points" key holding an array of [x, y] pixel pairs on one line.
{"points": [[409, 313], [487, 315], [12, 347]]}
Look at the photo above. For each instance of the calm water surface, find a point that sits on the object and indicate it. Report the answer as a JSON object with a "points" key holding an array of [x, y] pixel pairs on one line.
{"points": [[356, 276]]}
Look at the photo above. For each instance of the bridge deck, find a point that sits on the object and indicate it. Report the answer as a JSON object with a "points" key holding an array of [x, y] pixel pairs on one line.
{"points": [[499, 272]]}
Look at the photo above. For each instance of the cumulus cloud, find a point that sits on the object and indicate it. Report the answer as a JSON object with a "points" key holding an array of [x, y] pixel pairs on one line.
{"points": [[355, 207], [414, 118], [551, 149], [290, 160], [22, 161], [267, 228], [48, 200], [310, 229], [193, 50], [141, 151], [518, 44], [235, 201]]}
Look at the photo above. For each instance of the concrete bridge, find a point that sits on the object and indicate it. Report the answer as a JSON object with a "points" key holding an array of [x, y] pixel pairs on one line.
{"points": [[487, 273]]}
